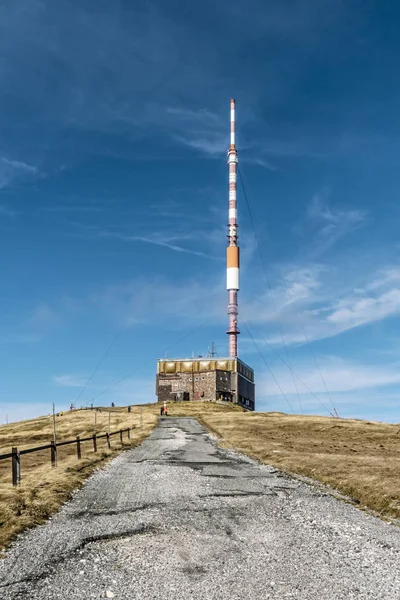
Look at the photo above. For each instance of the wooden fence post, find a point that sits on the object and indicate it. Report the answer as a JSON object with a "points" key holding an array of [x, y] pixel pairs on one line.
{"points": [[53, 454], [120, 435], [78, 447], [54, 434], [129, 433], [108, 440], [16, 467], [94, 442]]}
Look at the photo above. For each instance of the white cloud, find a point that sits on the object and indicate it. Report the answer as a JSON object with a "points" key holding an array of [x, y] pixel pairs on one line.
{"points": [[156, 239], [155, 300], [314, 300], [302, 284], [14, 170], [19, 165], [340, 376], [383, 278], [262, 162], [283, 301], [325, 225], [214, 144], [44, 316], [352, 312], [354, 388], [201, 116], [199, 129], [70, 380]]}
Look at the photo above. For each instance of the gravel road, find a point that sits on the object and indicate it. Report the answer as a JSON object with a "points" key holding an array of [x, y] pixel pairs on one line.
{"points": [[179, 517]]}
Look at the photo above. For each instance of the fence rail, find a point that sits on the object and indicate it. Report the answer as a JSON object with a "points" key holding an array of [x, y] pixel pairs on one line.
{"points": [[16, 454]]}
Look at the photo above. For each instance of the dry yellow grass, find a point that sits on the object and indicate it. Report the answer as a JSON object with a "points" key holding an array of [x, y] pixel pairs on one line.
{"points": [[44, 489], [359, 458]]}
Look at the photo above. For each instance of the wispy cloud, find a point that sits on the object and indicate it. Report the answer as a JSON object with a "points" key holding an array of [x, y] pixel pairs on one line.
{"points": [[201, 130], [340, 376], [355, 311], [214, 144], [44, 316], [141, 54], [14, 170], [18, 165], [333, 223], [70, 380], [314, 300], [171, 241], [158, 299], [292, 293], [325, 224], [262, 162]]}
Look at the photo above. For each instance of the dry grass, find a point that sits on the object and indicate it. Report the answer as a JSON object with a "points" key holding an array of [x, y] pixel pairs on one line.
{"points": [[44, 489], [359, 458]]}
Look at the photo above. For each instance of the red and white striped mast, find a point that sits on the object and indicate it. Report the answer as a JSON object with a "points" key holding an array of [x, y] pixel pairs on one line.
{"points": [[232, 253]]}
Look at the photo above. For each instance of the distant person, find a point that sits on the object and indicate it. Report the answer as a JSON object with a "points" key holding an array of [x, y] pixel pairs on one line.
{"points": [[112, 405], [166, 411], [129, 408], [161, 411]]}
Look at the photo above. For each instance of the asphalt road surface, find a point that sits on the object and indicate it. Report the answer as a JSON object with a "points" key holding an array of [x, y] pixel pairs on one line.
{"points": [[178, 517]]}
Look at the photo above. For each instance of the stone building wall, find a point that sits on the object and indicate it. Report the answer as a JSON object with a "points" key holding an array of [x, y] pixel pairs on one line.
{"points": [[206, 386], [203, 386]]}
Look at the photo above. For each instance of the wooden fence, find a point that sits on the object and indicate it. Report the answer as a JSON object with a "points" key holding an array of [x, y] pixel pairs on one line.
{"points": [[16, 454]]}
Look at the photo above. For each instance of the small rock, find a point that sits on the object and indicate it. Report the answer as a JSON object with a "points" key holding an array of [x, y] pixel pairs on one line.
{"points": [[110, 594]]}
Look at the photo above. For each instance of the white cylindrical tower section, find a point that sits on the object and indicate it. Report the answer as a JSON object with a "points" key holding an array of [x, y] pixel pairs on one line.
{"points": [[232, 278], [232, 122]]}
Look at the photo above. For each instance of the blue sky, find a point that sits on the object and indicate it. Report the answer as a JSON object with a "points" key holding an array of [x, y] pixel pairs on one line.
{"points": [[113, 197]]}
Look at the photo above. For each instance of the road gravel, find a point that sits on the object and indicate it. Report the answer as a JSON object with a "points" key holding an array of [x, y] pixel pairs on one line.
{"points": [[179, 517]]}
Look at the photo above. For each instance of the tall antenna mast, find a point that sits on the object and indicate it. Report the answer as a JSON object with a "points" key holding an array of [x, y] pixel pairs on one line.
{"points": [[232, 253]]}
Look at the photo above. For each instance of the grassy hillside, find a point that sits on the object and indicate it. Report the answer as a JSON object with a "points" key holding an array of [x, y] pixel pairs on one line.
{"points": [[43, 489], [358, 458]]}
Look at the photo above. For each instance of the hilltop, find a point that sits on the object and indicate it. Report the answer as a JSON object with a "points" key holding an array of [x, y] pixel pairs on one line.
{"points": [[358, 458], [43, 489]]}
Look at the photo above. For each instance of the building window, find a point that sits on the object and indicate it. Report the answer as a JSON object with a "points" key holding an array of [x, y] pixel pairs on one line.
{"points": [[190, 379], [202, 376]]}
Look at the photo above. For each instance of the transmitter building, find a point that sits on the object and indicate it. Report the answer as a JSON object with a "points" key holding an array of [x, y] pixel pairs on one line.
{"points": [[216, 379], [206, 379]]}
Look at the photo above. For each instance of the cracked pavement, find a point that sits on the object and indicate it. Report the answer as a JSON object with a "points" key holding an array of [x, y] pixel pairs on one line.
{"points": [[179, 517]]}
